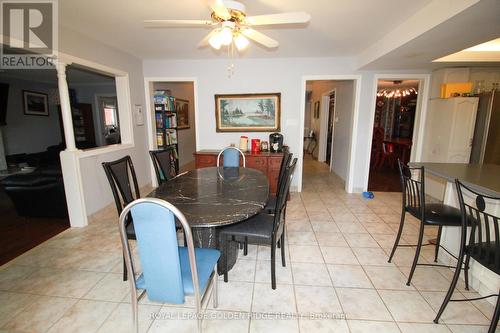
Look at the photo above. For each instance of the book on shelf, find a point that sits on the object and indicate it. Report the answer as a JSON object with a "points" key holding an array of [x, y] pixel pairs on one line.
{"points": [[170, 137], [159, 120], [159, 139], [171, 121]]}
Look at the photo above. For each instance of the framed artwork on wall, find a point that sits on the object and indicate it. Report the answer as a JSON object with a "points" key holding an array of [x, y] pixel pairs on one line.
{"points": [[35, 103], [182, 108], [248, 112]]}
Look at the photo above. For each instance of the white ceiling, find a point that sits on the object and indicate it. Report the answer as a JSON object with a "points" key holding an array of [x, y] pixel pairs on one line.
{"points": [[337, 27]]}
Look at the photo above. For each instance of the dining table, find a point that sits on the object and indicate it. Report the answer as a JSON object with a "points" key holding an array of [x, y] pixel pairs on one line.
{"points": [[403, 145], [214, 197]]}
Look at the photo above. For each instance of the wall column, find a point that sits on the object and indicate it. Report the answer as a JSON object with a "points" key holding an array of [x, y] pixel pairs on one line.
{"points": [[70, 162], [69, 134]]}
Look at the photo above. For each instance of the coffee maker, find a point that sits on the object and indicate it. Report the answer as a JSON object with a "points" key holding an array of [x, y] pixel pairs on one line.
{"points": [[275, 142]]}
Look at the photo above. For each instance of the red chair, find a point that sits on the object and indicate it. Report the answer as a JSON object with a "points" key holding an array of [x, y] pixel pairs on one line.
{"points": [[382, 152]]}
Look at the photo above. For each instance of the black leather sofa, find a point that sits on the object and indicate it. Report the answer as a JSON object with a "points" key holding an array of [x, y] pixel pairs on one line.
{"points": [[41, 192]]}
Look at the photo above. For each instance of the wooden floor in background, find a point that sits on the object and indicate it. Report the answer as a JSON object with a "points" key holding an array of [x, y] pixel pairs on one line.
{"points": [[384, 180], [20, 234]]}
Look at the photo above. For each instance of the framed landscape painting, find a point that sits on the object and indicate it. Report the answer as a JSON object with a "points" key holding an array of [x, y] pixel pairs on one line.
{"points": [[248, 112], [35, 103], [182, 108]]}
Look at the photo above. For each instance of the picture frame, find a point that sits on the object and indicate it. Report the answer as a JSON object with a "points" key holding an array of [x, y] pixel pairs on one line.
{"points": [[260, 112], [182, 108], [35, 103], [316, 109]]}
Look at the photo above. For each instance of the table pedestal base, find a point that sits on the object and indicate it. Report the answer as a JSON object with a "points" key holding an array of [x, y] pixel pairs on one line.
{"points": [[209, 238]]}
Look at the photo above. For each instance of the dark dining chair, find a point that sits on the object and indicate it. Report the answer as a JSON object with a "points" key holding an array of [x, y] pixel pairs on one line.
{"points": [[483, 245], [263, 228], [287, 158], [429, 214], [123, 181], [165, 163]]}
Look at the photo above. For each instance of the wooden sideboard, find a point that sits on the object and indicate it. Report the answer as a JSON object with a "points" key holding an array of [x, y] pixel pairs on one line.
{"points": [[268, 163]]}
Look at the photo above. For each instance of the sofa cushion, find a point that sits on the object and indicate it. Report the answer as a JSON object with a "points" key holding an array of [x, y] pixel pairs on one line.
{"points": [[28, 180]]}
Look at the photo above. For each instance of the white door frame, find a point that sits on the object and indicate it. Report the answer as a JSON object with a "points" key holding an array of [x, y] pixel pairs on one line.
{"points": [[349, 185], [150, 121], [420, 116]]}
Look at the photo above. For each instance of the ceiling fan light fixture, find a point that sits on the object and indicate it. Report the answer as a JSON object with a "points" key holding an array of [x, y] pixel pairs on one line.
{"points": [[241, 42], [215, 41], [225, 35]]}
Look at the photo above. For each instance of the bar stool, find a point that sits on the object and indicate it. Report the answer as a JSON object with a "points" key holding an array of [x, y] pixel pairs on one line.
{"points": [[484, 242], [435, 214]]}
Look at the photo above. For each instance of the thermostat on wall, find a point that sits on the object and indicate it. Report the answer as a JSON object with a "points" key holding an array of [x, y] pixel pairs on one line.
{"points": [[139, 115]]}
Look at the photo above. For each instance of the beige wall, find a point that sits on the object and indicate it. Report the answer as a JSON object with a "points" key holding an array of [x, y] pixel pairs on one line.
{"points": [[186, 137], [344, 108]]}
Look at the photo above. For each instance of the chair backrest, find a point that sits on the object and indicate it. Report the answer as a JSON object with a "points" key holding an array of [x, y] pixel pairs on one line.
{"points": [[231, 157], [154, 222], [123, 181], [281, 199], [484, 225], [287, 157], [165, 164], [378, 138], [412, 187]]}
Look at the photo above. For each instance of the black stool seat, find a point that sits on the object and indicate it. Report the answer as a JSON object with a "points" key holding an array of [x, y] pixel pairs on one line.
{"points": [[259, 226], [486, 254], [438, 214]]}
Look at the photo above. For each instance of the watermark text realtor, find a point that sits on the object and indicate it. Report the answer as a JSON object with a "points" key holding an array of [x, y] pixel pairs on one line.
{"points": [[28, 32]]}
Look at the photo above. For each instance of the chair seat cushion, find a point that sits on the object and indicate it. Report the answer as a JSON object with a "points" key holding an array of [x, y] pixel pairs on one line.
{"points": [[487, 256], [439, 214], [206, 259], [258, 226]]}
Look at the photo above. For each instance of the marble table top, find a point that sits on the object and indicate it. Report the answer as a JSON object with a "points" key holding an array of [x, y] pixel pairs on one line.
{"points": [[211, 197], [481, 177]]}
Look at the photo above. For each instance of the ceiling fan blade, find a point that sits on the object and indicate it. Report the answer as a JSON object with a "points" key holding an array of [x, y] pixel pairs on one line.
{"points": [[260, 38], [220, 9], [204, 41], [176, 23], [283, 18]]}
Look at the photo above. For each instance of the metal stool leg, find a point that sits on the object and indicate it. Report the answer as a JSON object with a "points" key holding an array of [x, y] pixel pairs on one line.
{"points": [[438, 242], [496, 315], [398, 237], [417, 253], [454, 280]]}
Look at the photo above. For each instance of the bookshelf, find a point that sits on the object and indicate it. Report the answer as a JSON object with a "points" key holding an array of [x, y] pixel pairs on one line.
{"points": [[166, 123]]}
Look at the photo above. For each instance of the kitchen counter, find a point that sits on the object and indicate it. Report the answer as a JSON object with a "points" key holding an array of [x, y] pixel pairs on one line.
{"points": [[481, 177]]}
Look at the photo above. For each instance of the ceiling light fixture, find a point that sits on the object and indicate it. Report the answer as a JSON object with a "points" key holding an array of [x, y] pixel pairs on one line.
{"points": [[241, 42], [396, 92]]}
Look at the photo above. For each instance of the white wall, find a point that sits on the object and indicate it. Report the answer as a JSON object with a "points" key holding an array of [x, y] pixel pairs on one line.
{"points": [[186, 137], [267, 75], [27, 133], [318, 88], [96, 189]]}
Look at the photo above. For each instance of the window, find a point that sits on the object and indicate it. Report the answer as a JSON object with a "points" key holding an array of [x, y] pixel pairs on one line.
{"points": [[94, 107]]}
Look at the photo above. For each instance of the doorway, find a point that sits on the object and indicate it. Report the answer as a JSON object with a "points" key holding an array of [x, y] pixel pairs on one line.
{"points": [[328, 124], [171, 112], [393, 127]]}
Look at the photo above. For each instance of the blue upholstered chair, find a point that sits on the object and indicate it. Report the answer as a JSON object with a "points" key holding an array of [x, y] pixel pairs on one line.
{"points": [[231, 157], [169, 272]]}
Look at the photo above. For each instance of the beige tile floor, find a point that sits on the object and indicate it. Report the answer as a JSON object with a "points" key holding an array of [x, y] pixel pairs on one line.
{"points": [[337, 278]]}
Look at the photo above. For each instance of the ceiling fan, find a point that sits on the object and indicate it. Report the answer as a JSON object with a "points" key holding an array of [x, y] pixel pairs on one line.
{"points": [[231, 24]]}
